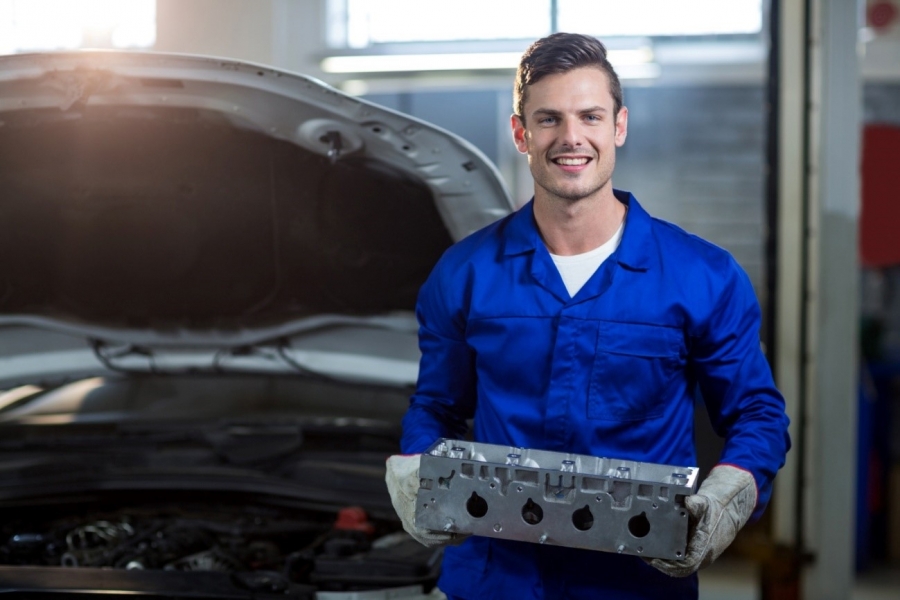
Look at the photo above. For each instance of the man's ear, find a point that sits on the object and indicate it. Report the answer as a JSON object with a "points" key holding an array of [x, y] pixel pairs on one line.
{"points": [[621, 126], [518, 133]]}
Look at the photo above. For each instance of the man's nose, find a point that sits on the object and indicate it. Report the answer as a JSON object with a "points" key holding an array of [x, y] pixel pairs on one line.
{"points": [[571, 134]]}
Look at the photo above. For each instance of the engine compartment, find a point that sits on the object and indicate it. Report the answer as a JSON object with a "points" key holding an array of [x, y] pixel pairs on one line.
{"points": [[255, 544]]}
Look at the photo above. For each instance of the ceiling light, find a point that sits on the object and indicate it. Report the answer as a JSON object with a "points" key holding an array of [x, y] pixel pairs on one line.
{"points": [[393, 63]]}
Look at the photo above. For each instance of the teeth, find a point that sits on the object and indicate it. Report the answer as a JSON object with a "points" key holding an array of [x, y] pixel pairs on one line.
{"points": [[571, 162]]}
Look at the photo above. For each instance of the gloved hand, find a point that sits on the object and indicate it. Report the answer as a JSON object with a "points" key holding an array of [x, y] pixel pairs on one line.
{"points": [[402, 478], [718, 510]]}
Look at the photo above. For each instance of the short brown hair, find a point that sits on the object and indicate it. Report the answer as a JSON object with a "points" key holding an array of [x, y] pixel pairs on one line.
{"points": [[561, 53]]}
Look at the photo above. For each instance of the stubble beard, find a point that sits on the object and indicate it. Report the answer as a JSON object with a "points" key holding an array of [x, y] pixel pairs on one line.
{"points": [[569, 194]]}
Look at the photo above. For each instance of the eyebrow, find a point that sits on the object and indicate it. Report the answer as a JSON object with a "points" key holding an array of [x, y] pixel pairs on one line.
{"points": [[551, 112]]}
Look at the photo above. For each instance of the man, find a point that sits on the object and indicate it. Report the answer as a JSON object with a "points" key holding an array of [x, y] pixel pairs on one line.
{"points": [[581, 324]]}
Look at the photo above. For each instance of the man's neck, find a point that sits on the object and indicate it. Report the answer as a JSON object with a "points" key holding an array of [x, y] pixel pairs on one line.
{"points": [[575, 227]]}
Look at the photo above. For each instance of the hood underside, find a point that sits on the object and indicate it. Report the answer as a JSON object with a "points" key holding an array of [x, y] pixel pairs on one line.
{"points": [[172, 215], [194, 194]]}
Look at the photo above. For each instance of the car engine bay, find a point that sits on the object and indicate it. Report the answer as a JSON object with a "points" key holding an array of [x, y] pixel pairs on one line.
{"points": [[256, 547]]}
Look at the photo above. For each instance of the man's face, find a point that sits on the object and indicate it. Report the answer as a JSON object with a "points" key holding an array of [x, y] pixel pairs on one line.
{"points": [[570, 134]]}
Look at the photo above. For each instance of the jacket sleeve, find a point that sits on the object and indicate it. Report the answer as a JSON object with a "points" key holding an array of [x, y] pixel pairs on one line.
{"points": [[736, 383], [445, 392]]}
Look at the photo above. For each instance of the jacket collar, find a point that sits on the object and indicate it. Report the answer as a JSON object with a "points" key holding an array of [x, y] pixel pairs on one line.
{"points": [[634, 250]]}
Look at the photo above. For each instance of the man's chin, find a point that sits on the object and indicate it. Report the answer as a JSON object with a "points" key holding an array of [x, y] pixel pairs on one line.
{"points": [[575, 194]]}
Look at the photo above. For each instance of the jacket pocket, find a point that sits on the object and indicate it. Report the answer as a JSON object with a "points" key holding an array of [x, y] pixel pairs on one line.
{"points": [[634, 368]]}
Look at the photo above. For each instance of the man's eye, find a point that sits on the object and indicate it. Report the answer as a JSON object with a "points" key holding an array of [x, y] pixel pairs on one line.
{"points": [[592, 118], [547, 120]]}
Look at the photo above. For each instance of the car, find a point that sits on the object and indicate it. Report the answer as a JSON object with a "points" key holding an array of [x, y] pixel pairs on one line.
{"points": [[208, 274]]}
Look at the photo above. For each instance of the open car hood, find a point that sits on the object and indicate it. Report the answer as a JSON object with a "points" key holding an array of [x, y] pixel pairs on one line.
{"points": [[181, 200], [152, 203]]}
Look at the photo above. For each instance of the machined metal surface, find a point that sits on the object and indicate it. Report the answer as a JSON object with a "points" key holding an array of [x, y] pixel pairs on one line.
{"points": [[555, 498]]}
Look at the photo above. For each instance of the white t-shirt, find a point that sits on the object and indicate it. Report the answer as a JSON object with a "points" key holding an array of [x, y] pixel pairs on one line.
{"points": [[578, 268]]}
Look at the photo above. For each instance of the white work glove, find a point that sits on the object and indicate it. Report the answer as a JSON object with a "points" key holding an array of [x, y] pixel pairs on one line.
{"points": [[402, 478], [718, 510]]}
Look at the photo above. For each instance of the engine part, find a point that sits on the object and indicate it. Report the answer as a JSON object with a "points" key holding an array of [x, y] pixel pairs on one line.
{"points": [[555, 498], [257, 550], [389, 562], [89, 543]]}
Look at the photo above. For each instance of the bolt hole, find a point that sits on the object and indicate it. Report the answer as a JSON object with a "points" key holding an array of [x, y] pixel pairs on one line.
{"points": [[583, 519], [639, 526], [476, 506], [532, 513]]}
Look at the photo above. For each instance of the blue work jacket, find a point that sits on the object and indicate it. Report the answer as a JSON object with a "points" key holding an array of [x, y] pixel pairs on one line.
{"points": [[612, 371]]}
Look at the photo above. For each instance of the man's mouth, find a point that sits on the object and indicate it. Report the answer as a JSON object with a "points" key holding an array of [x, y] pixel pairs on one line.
{"points": [[571, 161]]}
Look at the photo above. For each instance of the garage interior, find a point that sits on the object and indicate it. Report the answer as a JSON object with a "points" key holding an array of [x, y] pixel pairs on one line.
{"points": [[774, 133]]}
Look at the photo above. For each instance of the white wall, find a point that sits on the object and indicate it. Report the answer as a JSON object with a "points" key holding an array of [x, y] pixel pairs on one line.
{"points": [[881, 48], [288, 34]]}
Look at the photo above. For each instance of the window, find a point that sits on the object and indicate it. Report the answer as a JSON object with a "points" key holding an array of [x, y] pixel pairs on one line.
{"points": [[30, 25], [605, 18], [366, 23]]}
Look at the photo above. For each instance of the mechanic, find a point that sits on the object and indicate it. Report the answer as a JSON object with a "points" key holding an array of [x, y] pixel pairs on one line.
{"points": [[581, 324]]}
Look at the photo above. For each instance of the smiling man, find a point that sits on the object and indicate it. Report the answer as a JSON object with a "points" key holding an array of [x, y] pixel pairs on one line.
{"points": [[569, 125], [582, 324]]}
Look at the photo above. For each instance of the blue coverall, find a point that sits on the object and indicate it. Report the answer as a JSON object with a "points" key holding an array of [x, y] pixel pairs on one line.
{"points": [[612, 371]]}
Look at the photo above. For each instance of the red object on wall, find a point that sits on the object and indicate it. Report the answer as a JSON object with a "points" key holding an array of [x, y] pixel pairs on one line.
{"points": [[881, 14], [879, 222]]}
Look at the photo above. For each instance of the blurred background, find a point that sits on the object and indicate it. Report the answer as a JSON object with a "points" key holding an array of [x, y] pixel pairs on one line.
{"points": [[769, 127]]}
